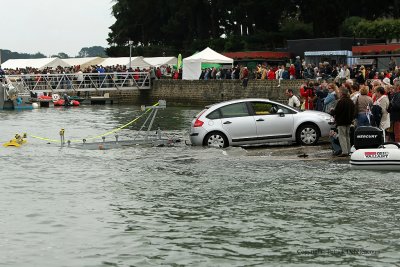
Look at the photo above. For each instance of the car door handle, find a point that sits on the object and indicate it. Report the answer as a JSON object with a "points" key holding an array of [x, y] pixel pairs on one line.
{"points": [[260, 120], [227, 122]]}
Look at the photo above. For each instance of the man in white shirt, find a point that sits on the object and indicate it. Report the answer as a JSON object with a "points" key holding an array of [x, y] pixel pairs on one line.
{"points": [[293, 100]]}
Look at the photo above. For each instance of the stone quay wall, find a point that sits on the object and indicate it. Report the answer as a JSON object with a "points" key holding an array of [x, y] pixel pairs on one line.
{"points": [[201, 93]]}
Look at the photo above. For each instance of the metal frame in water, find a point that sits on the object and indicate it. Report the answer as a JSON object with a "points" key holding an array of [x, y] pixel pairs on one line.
{"points": [[148, 138]]}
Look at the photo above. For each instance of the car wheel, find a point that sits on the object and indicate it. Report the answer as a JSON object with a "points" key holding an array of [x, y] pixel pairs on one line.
{"points": [[216, 139], [307, 135]]}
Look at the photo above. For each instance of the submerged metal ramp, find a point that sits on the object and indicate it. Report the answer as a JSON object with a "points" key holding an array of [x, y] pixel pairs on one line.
{"points": [[146, 138], [105, 145]]}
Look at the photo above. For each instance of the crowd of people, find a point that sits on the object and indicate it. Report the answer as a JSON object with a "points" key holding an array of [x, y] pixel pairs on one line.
{"points": [[355, 96], [375, 103], [161, 72], [301, 70], [99, 76]]}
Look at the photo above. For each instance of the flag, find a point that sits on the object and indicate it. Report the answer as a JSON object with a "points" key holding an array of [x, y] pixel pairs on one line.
{"points": [[179, 61]]}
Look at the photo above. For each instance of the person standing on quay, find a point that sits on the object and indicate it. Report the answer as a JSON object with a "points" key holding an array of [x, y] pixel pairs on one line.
{"points": [[293, 100], [244, 76], [362, 102], [383, 101], [395, 112], [344, 114]]}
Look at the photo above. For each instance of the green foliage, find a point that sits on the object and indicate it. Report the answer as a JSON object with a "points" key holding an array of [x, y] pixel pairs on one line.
{"points": [[381, 28], [185, 26], [61, 55], [234, 43], [190, 25], [349, 25], [93, 51], [294, 29], [7, 54]]}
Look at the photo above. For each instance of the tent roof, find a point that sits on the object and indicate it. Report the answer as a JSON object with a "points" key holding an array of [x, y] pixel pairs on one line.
{"points": [[124, 61], [83, 61], [208, 56], [38, 63], [159, 61]]}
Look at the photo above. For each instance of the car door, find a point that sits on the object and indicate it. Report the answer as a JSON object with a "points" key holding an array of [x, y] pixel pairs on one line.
{"points": [[238, 123], [272, 126]]}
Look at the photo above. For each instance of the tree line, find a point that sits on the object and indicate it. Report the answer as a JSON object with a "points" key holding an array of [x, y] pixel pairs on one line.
{"points": [[159, 27], [93, 51]]}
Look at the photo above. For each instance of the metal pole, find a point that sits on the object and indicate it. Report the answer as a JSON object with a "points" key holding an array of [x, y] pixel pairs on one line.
{"points": [[144, 124], [130, 54], [151, 124]]}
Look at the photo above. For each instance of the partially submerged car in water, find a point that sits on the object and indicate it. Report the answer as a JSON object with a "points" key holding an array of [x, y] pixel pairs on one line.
{"points": [[257, 121]]}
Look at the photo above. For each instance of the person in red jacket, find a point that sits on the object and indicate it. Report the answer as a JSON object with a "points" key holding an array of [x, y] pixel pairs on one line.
{"points": [[271, 74], [158, 73], [308, 94]]}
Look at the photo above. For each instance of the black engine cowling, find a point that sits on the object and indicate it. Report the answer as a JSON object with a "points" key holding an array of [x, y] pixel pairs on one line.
{"points": [[368, 137]]}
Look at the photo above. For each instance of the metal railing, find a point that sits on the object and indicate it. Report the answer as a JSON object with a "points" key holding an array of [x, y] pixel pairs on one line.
{"points": [[81, 82]]}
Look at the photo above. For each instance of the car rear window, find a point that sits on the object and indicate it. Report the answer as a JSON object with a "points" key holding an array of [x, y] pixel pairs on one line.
{"points": [[234, 110]]}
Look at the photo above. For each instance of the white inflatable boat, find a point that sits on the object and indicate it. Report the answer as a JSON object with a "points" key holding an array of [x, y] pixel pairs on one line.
{"points": [[385, 157]]}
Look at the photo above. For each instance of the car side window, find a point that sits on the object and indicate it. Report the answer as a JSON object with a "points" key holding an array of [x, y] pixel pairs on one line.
{"points": [[285, 110], [234, 110], [264, 108], [214, 115]]}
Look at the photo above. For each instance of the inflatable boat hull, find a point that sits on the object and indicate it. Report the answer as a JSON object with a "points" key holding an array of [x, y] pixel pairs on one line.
{"points": [[61, 102], [386, 158]]}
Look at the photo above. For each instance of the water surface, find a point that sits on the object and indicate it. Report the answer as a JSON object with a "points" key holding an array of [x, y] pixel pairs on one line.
{"points": [[182, 205]]}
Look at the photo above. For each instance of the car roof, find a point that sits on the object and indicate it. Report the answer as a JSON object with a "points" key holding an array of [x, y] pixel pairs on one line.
{"points": [[220, 104]]}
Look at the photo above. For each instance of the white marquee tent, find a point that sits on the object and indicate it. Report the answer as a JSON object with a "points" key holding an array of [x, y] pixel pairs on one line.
{"points": [[160, 61], [38, 63], [83, 61], [192, 65], [124, 61]]}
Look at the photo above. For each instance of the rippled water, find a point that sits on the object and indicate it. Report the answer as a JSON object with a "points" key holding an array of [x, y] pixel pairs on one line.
{"points": [[183, 206]]}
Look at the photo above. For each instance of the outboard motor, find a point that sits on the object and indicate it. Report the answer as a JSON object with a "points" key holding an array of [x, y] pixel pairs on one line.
{"points": [[368, 137], [66, 100]]}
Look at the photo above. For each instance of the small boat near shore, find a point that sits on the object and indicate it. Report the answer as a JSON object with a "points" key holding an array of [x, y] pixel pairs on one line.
{"points": [[372, 152], [57, 101], [386, 157], [61, 102], [77, 98]]}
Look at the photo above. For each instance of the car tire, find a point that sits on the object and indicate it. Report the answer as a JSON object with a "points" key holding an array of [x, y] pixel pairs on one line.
{"points": [[307, 135], [216, 139]]}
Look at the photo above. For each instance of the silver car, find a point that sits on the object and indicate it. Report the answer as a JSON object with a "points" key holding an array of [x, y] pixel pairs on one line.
{"points": [[257, 121]]}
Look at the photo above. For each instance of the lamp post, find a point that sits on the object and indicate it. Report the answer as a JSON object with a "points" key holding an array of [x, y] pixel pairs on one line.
{"points": [[130, 42]]}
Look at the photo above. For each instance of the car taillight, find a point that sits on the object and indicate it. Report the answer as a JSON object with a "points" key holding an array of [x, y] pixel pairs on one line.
{"points": [[198, 123]]}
